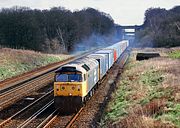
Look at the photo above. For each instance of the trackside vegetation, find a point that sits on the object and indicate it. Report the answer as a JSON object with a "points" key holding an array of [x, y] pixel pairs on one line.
{"points": [[15, 62], [147, 95], [175, 54], [161, 28]]}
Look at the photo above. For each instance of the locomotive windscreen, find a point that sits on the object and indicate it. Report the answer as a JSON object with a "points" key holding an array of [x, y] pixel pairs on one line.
{"points": [[69, 78]]}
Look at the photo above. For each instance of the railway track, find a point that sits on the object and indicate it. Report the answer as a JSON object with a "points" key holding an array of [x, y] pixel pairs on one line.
{"points": [[18, 114], [11, 96], [30, 82], [31, 122], [42, 118]]}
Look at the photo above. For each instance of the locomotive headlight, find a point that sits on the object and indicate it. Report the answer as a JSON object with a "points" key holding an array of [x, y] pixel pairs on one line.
{"points": [[62, 88], [57, 87], [73, 88], [78, 88]]}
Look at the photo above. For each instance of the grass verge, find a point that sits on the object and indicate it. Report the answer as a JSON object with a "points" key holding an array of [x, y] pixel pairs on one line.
{"points": [[14, 62], [175, 54], [145, 96]]}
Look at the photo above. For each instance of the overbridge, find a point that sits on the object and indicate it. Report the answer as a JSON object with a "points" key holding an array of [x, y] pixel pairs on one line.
{"points": [[136, 27], [133, 29], [129, 31]]}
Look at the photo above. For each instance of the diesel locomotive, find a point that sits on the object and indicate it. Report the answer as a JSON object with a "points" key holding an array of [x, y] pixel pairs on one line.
{"points": [[76, 81]]}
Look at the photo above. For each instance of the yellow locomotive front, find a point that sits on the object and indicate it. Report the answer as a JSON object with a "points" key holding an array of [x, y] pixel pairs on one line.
{"points": [[69, 88]]}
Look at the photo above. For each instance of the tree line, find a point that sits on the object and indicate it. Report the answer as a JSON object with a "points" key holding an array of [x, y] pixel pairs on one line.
{"points": [[55, 30], [161, 28]]}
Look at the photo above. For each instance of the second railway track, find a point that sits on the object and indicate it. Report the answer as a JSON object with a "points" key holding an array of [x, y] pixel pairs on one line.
{"points": [[13, 95], [8, 122]]}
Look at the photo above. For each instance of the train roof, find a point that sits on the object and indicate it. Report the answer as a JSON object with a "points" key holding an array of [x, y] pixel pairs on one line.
{"points": [[105, 51], [124, 41], [80, 65], [96, 56], [113, 46]]}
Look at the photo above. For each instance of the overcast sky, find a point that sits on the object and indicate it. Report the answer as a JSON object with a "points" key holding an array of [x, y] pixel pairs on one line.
{"points": [[124, 12]]}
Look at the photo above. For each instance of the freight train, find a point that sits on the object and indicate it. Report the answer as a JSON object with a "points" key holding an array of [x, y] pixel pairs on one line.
{"points": [[76, 81]]}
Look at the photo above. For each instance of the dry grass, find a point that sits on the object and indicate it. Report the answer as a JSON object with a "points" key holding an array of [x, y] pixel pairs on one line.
{"points": [[148, 94], [14, 62]]}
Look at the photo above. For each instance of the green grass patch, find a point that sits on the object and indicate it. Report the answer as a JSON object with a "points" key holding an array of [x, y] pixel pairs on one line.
{"points": [[175, 54], [49, 59], [156, 93], [151, 78], [123, 97], [117, 107], [17, 67], [172, 115], [132, 64]]}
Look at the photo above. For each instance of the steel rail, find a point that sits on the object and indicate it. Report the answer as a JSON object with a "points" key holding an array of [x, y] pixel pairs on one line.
{"points": [[25, 123], [12, 99], [73, 118], [20, 87], [51, 117]]}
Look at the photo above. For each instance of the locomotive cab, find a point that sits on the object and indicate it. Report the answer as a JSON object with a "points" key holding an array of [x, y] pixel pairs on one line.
{"points": [[68, 87], [68, 82], [73, 82]]}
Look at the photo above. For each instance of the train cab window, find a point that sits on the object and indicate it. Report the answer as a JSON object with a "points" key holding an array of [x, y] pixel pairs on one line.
{"points": [[62, 77], [86, 67], [69, 78], [75, 77]]}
